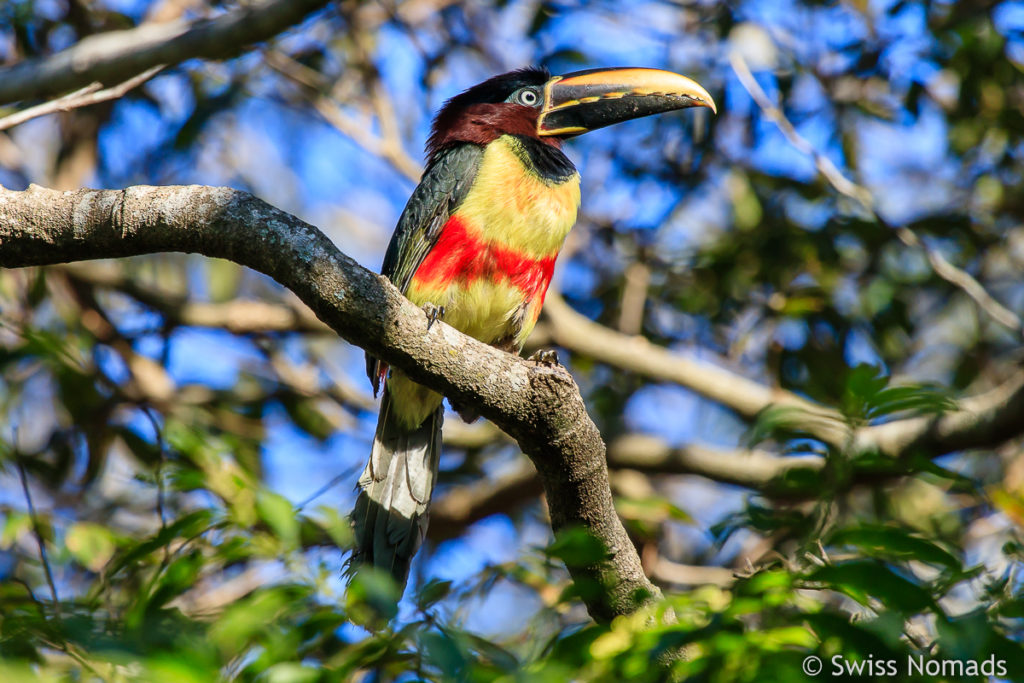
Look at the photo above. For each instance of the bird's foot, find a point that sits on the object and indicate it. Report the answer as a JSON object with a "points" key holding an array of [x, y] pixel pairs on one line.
{"points": [[434, 313], [545, 357]]}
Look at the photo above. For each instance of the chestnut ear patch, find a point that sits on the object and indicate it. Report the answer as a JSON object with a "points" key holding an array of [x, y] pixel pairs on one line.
{"points": [[493, 91]]}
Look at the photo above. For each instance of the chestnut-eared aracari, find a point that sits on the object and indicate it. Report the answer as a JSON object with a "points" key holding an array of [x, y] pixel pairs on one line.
{"points": [[477, 242]]}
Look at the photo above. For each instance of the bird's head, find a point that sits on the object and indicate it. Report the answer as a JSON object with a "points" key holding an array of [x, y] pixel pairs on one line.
{"points": [[531, 102]]}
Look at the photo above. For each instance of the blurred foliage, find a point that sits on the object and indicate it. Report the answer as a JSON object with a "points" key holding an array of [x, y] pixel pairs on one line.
{"points": [[159, 545]]}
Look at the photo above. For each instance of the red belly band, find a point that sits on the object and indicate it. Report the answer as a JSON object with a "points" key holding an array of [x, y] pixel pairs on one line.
{"points": [[462, 256]]}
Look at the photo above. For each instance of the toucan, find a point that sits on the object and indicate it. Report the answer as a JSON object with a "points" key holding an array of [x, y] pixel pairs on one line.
{"points": [[476, 246]]}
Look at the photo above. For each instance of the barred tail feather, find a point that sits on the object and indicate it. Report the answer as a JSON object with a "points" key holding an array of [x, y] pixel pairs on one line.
{"points": [[391, 512]]}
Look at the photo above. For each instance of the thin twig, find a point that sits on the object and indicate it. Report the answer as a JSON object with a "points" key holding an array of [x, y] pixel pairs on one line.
{"points": [[942, 267], [160, 492], [89, 95], [347, 474], [113, 56], [388, 145], [37, 532]]}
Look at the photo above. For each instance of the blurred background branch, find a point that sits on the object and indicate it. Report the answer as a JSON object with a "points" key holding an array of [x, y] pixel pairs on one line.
{"points": [[118, 56], [94, 93], [943, 268]]}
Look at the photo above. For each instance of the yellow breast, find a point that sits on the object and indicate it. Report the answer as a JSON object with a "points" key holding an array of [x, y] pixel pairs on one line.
{"points": [[512, 206]]}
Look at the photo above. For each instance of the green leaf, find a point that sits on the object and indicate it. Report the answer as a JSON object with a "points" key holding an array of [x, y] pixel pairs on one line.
{"points": [[142, 449], [306, 415], [863, 383], [611, 644], [654, 510], [917, 399], [432, 592], [240, 623], [499, 656], [966, 636], [334, 524], [179, 576], [444, 653], [764, 581], [372, 596], [15, 526], [37, 289], [577, 548], [17, 672], [187, 526], [291, 672], [856, 638], [279, 514], [223, 278], [868, 396], [1012, 609], [92, 545], [777, 639], [779, 422], [166, 669], [863, 578], [896, 543]]}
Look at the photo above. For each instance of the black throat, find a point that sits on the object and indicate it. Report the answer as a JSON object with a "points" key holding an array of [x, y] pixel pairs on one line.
{"points": [[548, 162]]}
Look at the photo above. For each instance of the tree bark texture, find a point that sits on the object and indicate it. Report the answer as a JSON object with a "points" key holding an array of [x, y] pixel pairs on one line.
{"points": [[539, 406]]}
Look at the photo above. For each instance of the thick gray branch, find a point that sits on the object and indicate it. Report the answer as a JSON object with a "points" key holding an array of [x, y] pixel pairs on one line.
{"points": [[116, 56], [538, 406]]}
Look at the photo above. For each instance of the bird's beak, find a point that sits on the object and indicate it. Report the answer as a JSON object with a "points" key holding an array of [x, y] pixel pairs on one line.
{"points": [[587, 100]]}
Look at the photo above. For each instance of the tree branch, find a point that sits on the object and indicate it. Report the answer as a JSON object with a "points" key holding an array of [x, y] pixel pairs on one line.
{"points": [[846, 187], [239, 316], [980, 422], [94, 93], [753, 469], [463, 505], [117, 56], [637, 354], [388, 145], [537, 405], [667, 571]]}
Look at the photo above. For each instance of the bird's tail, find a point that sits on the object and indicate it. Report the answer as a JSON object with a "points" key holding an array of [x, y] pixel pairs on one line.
{"points": [[391, 512]]}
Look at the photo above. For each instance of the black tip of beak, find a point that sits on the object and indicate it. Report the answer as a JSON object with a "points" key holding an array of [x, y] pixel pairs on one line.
{"points": [[587, 100]]}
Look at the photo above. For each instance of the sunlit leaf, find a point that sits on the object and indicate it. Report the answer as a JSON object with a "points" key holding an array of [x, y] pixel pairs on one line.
{"points": [[432, 592], [894, 542], [92, 545], [279, 514], [577, 548], [863, 579]]}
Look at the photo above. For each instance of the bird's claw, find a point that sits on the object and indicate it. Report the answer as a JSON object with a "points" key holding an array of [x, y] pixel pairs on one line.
{"points": [[434, 313], [545, 357]]}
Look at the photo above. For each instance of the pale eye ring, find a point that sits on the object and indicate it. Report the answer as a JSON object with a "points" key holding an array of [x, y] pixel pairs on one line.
{"points": [[528, 96]]}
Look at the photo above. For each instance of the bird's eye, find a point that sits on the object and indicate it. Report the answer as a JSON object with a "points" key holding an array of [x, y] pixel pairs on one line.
{"points": [[527, 96]]}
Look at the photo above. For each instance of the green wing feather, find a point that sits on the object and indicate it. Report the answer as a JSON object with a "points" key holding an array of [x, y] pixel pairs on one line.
{"points": [[442, 189]]}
